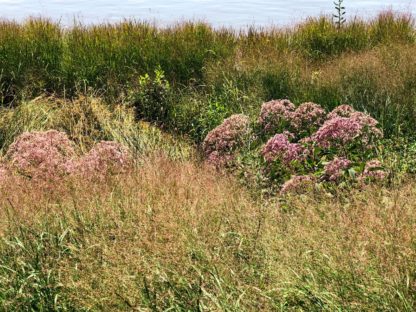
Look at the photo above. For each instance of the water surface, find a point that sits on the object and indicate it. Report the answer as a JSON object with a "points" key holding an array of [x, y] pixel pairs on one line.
{"points": [[230, 13]]}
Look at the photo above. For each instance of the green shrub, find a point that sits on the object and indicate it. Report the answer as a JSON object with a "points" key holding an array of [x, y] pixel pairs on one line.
{"points": [[150, 97]]}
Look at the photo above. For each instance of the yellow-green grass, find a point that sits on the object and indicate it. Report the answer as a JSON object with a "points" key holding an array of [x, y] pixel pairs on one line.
{"points": [[87, 120]]}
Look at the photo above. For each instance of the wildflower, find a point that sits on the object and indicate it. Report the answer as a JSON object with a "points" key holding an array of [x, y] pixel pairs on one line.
{"points": [[374, 170], [106, 157], [297, 184], [222, 141], [274, 112], [306, 116], [41, 155], [337, 131], [279, 147], [334, 169], [368, 124], [341, 111]]}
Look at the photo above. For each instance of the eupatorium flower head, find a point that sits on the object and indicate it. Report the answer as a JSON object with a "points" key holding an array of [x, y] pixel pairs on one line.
{"points": [[374, 170], [106, 157], [334, 169], [368, 125], [341, 111], [280, 148], [306, 116], [222, 141], [41, 155], [337, 131], [273, 113]]}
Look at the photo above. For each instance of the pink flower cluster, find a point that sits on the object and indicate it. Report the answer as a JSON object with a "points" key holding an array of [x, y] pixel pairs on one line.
{"points": [[368, 126], [274, 112], [50, 155], [219, 160], [337, 131], [221, 142], [106, 157], [41, 155], [297, 184], [374, 170], [280, 148], [334, 169], [307, 115], [341, 111], [340, 131]]}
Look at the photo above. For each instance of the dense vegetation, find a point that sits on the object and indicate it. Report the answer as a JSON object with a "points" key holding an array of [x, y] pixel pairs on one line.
{"points": [[141, 166], [211, 72]]}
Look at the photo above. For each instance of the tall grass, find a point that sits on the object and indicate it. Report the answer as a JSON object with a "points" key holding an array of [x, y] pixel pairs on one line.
{"points": [[304, 62], [88, 120], [175, 235]]}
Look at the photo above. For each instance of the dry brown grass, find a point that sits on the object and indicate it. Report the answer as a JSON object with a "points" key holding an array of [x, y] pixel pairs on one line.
{"points": [[182, 236]]}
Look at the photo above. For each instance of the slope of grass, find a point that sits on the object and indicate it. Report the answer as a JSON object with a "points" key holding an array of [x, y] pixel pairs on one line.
{"points": [[173, 234]]}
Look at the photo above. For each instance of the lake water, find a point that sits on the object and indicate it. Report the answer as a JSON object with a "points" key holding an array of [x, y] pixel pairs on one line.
{"points": [[234, 13]]}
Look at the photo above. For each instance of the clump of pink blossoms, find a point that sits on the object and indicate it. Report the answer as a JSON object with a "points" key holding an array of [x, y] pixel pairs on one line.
{"points": [[373, 170], [337, 131], [297, 184], [221, 142], [41, 155], [368, 125], [274, 112], [340, 131], [341, 111], [334, 169], [306, 116], [106, 157], [280, 148]]}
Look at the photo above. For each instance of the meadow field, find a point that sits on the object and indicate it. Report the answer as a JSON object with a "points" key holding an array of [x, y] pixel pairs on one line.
{"points": [[190, 168]]}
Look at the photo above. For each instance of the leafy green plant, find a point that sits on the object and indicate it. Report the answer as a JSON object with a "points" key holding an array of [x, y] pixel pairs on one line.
{"points": [[150, 97]]}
